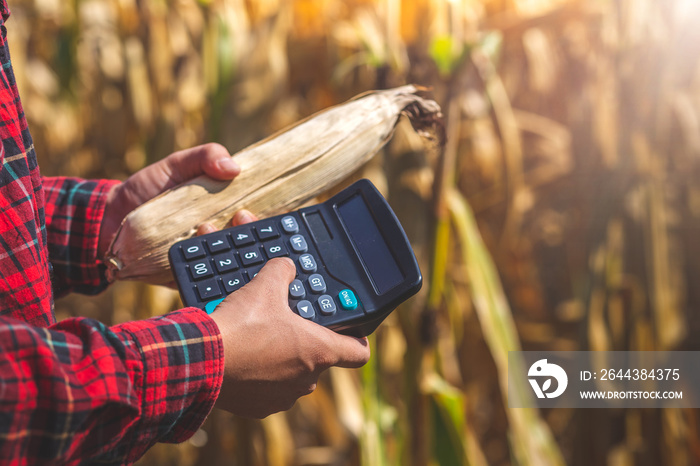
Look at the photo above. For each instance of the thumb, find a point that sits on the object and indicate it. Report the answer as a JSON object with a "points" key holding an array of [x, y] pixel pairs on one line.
{"points": [[209, 159], [276, 271]]}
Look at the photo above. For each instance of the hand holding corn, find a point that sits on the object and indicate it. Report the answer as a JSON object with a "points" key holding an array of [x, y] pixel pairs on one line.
{"points": [[212, 160]]}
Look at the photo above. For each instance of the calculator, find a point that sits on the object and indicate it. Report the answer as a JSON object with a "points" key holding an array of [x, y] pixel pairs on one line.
{"points": [[354, 262]]}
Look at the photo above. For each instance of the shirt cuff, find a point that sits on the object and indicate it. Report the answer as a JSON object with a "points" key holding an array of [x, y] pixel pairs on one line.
{"points": [[74, 212], [183, 368], [94, 269]]}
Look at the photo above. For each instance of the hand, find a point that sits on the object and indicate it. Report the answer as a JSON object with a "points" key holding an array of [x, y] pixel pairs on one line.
{"points": [[209, 159], [272, 355]]}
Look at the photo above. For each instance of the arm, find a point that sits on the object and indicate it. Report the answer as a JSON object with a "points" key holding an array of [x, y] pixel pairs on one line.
{"points": [[269, 355], [81, 392], [74, 211]]}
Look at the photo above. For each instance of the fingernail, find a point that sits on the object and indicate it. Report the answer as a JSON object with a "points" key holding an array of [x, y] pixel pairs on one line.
{"points": [[205, 228], [227, 164], [245, 216]]}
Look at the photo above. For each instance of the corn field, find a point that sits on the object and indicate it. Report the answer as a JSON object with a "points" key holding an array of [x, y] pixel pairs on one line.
{"points": [[561, 214]]}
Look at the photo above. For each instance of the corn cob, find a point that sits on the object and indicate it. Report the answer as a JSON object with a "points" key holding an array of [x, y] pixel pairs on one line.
{"points": [[278, 174]]}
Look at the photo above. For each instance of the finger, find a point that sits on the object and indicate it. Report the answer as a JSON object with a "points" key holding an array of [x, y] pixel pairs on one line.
{"points": [[210, 159], [351, 352], [242, 217], [276, 271], [205, 228]]}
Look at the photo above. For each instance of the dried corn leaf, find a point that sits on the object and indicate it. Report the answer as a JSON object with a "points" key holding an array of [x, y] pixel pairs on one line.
{"points": [[278, 174], [532, 440]]}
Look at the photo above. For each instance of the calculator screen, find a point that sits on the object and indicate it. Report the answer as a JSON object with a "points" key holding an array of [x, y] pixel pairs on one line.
{"points": [[370, 244]]}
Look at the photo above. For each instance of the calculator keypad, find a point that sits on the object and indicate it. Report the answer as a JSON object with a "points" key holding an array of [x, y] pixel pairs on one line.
{"points": [[275, 249], [218, 244], [317, 284], [306, 309], [290, 225], [232, 282], [326, 305], [296, 289], [298, 243], [253, 271], [307, 263], [266, 231], [221, 263], [208, 289], [201, 269], [243, 237], [225, 263], [195, 251]]}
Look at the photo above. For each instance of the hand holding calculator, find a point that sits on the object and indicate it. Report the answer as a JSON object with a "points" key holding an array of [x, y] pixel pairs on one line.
{"points": [[354, 262]]}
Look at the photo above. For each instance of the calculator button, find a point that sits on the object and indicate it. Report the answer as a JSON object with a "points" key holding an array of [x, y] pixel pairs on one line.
{"points": [[296, 289], [308, 263], [290, 225], [200, 270], [275, 249], [298, 244], [194, 251], [266, 231], [253, 271], [211, 305], [242, 238], [317, 284], [305, 309], [225, 263], [218, 244], [348, 301], [326, 305], [232, 282], [208, 289], [250, 256]]}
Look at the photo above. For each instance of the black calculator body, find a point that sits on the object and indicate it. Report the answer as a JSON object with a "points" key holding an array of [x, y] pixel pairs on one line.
{"points": [[354, 262]]}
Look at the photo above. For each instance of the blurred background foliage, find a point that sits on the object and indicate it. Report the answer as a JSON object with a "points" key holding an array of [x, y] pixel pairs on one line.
{"points": [[561, 215]]}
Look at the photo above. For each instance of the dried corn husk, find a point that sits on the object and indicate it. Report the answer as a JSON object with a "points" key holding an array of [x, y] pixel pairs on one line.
{"points": [[278, 174]]}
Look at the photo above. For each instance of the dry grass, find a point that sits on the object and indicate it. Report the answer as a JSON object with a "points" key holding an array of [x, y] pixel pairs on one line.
{"points": [[573, 134]]}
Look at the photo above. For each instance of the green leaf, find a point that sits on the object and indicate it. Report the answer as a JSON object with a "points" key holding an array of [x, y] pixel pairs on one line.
{"points": [[441, 51], [449, 421], [444, 450]]}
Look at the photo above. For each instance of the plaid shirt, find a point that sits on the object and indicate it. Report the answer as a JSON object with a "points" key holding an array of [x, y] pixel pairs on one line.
{"points": [[78, 391]]}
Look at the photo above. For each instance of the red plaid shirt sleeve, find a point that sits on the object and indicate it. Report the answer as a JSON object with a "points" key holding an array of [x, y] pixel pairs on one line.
{"points": [[74, 210], [83, 393], [78, 392]]}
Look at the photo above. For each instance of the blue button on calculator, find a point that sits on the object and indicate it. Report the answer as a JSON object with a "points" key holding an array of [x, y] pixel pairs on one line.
{"points": [[348, 301]]}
